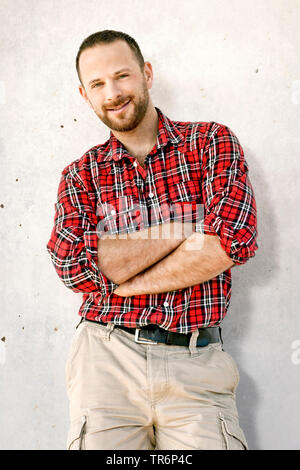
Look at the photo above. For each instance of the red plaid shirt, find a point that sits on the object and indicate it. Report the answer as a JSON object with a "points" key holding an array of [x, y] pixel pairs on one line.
{"points": [[195, 162]]}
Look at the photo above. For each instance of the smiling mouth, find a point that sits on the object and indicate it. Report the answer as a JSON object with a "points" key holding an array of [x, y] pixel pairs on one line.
{"points": [[117, 110]]}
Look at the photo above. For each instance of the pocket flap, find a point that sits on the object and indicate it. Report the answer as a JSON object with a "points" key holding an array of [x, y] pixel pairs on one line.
{"points": [[233, 435], [76, 434], [122, 215]]}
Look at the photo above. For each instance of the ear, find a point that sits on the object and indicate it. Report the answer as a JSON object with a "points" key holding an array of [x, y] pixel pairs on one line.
{"points": [[148, 72], [83, 94]]}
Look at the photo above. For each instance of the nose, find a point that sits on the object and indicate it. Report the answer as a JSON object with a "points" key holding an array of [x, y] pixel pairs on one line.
{"points": [[113, 93]]}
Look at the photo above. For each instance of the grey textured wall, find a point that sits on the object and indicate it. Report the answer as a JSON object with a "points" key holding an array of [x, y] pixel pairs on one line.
{"points": [[231, 61]]}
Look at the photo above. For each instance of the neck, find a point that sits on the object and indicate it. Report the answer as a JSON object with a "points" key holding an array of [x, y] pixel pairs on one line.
{"points": [[141, 140]]}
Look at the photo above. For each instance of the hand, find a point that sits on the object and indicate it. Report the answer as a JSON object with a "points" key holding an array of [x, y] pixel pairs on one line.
{"points": [[121, 290], [129, 287]]}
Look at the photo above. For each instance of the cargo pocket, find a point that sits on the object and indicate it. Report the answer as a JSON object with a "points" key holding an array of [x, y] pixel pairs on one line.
{"points": [[76, 434], [233, 436]]}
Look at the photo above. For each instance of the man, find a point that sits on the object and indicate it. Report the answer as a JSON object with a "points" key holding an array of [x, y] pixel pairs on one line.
{"points": [[146, 368]]}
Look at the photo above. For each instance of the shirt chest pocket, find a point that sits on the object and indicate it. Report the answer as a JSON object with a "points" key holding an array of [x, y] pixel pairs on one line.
{"points": [[184, 200], [121, 215]]}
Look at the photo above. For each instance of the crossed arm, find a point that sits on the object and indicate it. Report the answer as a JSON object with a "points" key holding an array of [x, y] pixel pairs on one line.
{"points": [[157, 264], [229, 236], [146, 262]]}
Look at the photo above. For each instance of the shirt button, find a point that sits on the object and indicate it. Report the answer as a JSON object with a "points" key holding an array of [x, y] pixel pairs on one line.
{"points": [[166, 304], [151, 194], [113, 212]]}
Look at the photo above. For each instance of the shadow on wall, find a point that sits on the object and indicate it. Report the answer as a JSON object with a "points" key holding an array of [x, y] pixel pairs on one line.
{"points": [[242, 311]]}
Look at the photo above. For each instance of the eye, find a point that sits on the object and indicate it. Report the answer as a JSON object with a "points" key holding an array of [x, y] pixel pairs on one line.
{"points": [[96, 85], [124, 75]]}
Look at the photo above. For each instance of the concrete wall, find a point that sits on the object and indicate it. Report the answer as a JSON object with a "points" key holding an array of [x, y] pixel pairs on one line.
{"points": [[231, 61]]}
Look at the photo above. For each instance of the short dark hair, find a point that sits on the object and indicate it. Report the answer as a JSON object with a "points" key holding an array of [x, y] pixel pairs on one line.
{"points": [[105, 37]]}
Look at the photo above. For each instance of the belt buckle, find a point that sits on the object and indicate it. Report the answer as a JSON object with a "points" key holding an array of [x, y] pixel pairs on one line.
{"points": [[143, 340]]}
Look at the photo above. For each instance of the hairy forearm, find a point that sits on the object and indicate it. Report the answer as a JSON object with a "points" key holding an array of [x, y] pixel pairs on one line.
{"points": [[197, 259], [123, 256]]}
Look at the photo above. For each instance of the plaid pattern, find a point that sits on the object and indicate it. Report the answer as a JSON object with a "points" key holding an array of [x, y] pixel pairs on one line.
{"points": [[192, 162]]}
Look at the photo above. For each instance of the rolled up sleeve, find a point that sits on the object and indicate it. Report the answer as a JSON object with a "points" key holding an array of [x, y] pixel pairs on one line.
{"points": [[73, 244], [228, 196]]}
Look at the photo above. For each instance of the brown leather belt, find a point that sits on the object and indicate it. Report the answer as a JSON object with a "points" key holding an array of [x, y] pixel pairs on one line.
{"points": [[153, 334]]}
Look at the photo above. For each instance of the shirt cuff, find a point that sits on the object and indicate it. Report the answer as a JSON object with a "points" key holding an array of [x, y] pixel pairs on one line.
{"points": [[91, 246], [239, 245]]}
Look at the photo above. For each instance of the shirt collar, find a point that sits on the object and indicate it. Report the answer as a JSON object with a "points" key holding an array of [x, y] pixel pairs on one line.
{"points": [[167, 132]]}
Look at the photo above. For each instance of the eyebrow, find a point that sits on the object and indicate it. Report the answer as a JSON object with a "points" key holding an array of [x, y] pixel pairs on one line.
{"points": [[116, 73]]}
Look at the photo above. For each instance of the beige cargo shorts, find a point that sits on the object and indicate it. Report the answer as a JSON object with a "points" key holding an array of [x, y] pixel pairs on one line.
{"points": [[124, 395]]}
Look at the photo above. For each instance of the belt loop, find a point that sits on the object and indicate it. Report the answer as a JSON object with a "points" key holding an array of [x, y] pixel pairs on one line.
{"points": [[193, 342], [220, 335], [82, 319], [109, 328]]}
